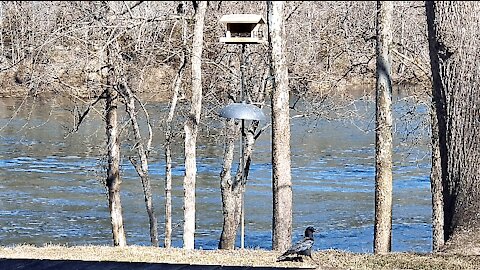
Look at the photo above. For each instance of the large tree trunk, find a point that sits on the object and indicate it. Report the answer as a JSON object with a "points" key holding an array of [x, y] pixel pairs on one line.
{"points": [[454, 52], [231, 191], [191, 129], [383, 134], [281, 171]]}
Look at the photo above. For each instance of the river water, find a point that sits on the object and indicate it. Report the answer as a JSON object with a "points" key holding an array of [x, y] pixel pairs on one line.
{"points": [[51, 187]]}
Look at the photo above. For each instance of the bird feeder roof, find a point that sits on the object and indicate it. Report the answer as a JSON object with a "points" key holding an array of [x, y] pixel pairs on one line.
{"points": [[242, 18]]}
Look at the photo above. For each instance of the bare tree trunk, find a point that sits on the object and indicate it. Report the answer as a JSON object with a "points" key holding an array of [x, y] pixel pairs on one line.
{"points": [[234, 189], [383, 145], [438, 239], [281, 178], [114, 181], [191, 129], [454, 52], [142, 149], [231, 190], [142, 168], [2, 45], [168, 188], [177, 83]]}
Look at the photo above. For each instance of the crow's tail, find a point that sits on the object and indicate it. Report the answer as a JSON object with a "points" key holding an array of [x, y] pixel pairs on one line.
{"points": [[282, 257]]}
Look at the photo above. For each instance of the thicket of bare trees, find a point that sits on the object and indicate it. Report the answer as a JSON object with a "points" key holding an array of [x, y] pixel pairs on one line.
{"points": [[329, 44], [117, 55]]}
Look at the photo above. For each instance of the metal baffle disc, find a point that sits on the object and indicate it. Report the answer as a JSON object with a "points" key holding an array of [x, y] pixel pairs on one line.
{"points": [[242, 111]]}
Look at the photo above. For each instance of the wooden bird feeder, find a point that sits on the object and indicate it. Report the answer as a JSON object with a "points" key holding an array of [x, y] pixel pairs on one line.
{"points": [[243, 29]]}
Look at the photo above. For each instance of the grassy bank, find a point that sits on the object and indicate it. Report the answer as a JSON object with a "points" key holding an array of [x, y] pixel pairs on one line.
{"points": [[328, 259]]}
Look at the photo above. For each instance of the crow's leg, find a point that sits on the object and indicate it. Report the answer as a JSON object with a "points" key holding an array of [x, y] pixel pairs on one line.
{"points": [[298, 259]]}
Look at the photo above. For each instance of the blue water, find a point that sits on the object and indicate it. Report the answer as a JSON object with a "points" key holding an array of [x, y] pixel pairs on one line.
{"points": [[51, 187]]}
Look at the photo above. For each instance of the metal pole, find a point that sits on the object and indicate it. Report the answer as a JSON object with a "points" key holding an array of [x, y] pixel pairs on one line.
{"points": [[242, 162], [242, 71]]}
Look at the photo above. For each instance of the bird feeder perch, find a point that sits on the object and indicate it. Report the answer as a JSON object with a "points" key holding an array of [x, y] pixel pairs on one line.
{"points": [[243, 29]]}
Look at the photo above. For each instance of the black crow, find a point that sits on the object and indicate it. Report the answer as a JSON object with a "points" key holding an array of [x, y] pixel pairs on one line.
{"points": [[303, 247]]}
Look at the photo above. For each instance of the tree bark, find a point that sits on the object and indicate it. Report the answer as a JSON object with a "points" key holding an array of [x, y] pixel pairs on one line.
{"points": [[234, 189], [281, 171], [231, 190], [114, 181], [383, 134], [438, 239], [454, 52], [191, 129]]}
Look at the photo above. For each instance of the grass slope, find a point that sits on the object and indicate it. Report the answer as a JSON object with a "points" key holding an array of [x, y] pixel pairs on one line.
{"points": [[328, 259]]}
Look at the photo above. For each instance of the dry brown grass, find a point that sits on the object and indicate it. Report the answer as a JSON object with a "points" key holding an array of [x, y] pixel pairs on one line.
{"points": [[328, 259]]}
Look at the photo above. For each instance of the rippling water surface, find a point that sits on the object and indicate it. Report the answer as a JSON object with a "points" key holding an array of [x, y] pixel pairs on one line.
{"points": [[51, 187]]}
